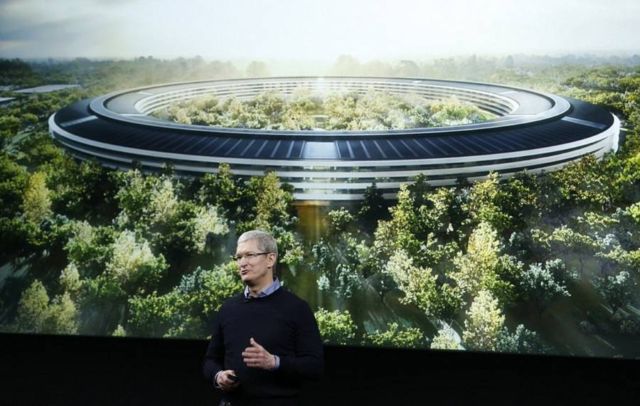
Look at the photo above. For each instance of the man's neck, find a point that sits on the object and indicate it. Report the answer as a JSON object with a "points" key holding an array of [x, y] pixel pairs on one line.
{"points": [[255, 289]]}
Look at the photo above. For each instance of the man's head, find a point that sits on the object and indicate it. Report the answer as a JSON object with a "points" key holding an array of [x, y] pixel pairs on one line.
{"points": [[257, 253]]}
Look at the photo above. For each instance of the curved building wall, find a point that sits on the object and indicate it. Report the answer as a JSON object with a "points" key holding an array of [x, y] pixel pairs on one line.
{"points": [[533, 131]]}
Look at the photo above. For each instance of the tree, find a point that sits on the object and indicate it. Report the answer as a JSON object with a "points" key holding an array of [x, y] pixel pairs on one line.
{"points": [[207, 223], [483, 267], [9, 127], [271, 203], [564, 242], [372, 208], [446, 339], [152, 315], [542, 283], [13, 182], [81, 190], [132, 265], [483, 204], [37, 315], [339, 220], [417, 284], [617, 289], [335, 327], [134, 196], [37, 200], [585, 183], [520, 341], [32, 309], [395, 336], [193, 229], [187, 309], [70, 279], [89, 248], [62, 315], [257, 69], [483, 324], [338, 265], [119, 331], [222, 189], [148, 202], [203, 291]]}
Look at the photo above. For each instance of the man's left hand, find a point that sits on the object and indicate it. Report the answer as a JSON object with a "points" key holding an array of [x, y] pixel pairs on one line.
{"points": [[255, 356]]}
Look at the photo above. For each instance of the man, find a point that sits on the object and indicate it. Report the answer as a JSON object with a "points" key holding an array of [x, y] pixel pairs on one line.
{"points": [[265, 340]]}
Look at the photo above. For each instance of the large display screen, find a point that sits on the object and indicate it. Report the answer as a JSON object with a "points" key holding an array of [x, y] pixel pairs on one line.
{"points": [[504, 256]]}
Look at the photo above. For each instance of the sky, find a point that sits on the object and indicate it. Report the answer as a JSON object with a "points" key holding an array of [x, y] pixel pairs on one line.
{"points": [[315, 30]]}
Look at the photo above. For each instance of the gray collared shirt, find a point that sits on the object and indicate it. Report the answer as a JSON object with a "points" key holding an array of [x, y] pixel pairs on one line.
{"points": [[275, 285]]}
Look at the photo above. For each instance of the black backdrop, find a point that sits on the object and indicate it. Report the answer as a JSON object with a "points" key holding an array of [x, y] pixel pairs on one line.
{"points": [[66, 370]]}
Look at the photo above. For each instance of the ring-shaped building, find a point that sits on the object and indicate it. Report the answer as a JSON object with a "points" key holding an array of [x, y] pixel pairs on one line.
{"points": [[532, 130]]}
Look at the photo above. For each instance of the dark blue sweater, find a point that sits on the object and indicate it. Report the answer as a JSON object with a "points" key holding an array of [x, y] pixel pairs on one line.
{"points": [[284, 325]]}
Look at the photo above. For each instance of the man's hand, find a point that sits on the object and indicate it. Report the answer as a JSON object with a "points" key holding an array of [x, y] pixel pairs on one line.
{"points": [[224, 381], [255, 356]]}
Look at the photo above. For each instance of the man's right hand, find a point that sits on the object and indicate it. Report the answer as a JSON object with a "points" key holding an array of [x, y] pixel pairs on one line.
{"points": [[224, 381]]}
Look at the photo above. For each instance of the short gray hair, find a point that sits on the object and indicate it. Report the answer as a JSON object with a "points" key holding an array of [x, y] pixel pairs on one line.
{"points": [[266, 242]]}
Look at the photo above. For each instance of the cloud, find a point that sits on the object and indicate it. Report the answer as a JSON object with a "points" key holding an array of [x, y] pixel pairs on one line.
{"points": [[306, 29]]}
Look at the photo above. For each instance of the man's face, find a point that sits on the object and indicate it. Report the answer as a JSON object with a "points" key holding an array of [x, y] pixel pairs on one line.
{"points": [[256, 270]]}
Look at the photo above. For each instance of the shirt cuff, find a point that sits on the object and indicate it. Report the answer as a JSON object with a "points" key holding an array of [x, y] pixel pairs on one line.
{"points": [[215, 380], [277, 362]]}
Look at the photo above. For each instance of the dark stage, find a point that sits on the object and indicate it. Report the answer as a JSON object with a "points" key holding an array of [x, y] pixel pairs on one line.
{"points": [[69, 370]]}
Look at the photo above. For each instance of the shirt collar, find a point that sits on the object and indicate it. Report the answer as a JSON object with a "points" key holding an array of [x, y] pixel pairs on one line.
{"points": [[275, 285]]}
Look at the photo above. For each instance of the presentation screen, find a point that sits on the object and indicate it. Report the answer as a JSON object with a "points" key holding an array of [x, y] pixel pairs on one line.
{"points": [[476, 197]]}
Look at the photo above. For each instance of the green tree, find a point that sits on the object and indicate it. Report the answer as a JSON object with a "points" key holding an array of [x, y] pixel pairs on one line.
{"points": [[37, 200], [417, 284], [543, 283], [483, 324], [133, 266], [396, 336], [484, 204], [338, 265], [339, 220], [187, 309], [522, 341], [270, 202], [13, 182], [70, 280], [81, 190], [37, 315], [483, 266], [89, 248], [222, 189], [9, 127], [62, 315], [336, 327], [446, 339], [617, 289], [585, 183], [32, 309], [152, 315], [203, 291], [372, 208]]}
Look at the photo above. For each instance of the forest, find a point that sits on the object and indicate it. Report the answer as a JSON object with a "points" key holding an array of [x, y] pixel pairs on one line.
{"points": [[539, 264], [371, 111]]}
